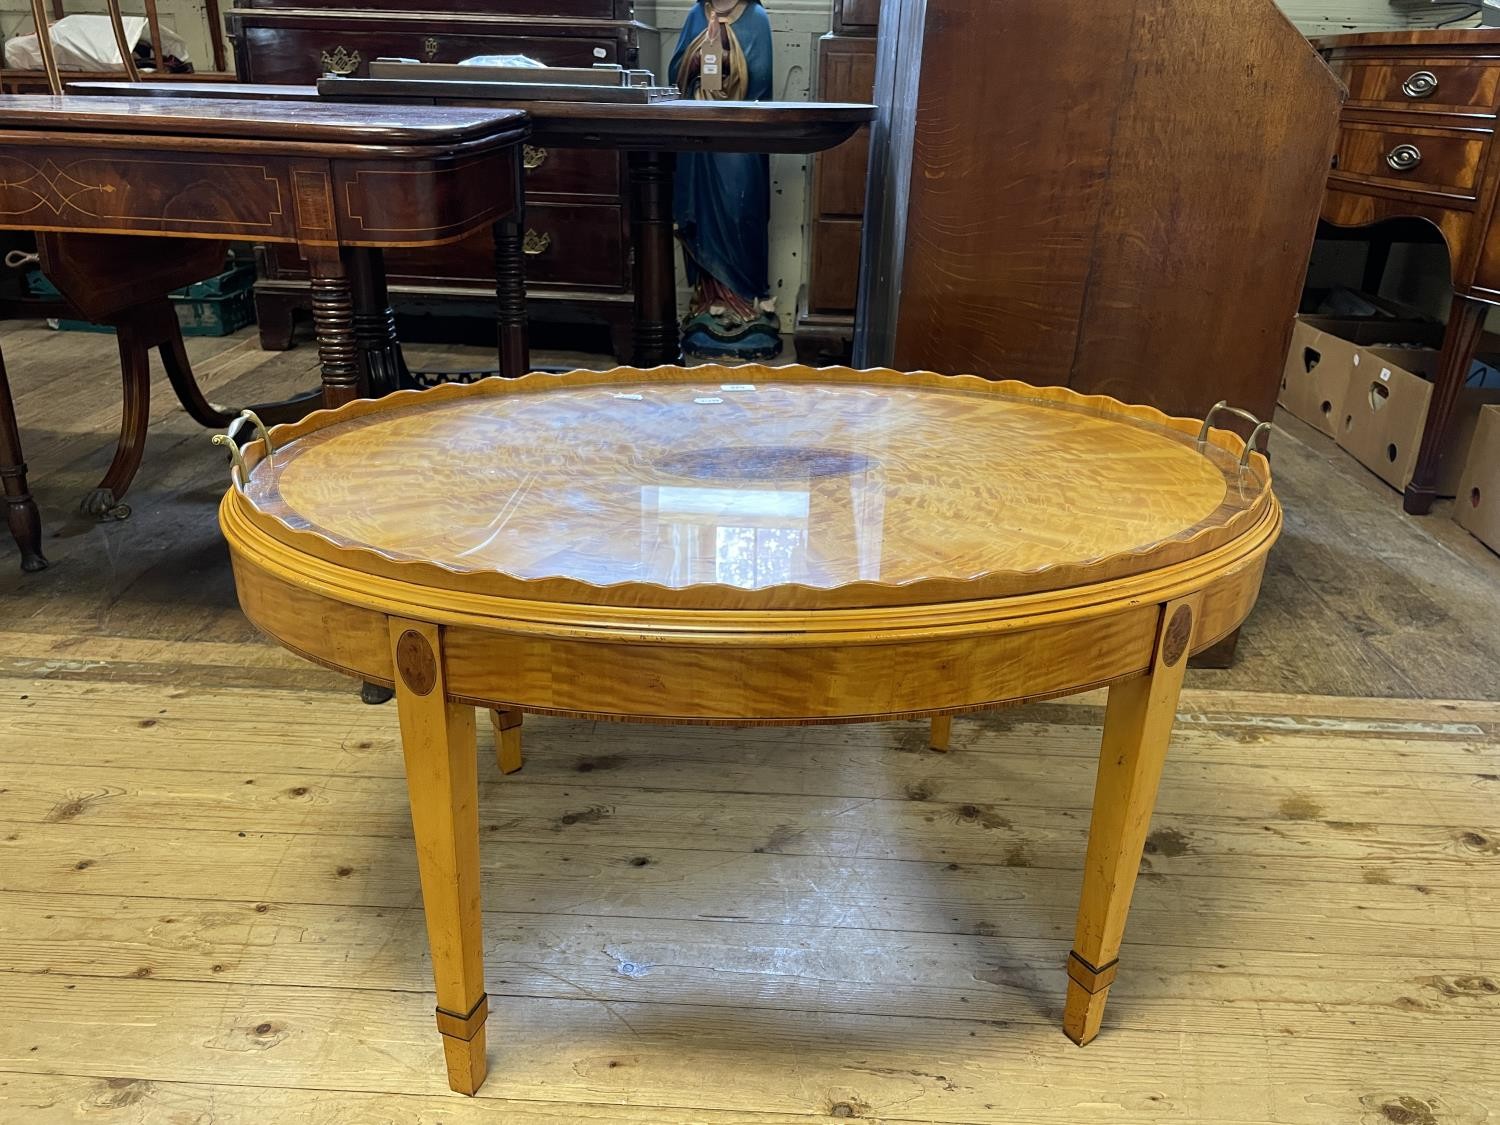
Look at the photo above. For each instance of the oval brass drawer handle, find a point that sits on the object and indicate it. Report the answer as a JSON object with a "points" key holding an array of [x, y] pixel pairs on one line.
{"points": [[534, 243], [1403, 158], [1422, 84], [533, 156], [341, 61]]}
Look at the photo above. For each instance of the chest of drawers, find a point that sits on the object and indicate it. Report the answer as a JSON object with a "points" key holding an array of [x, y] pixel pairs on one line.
{"points": [[577, 225], [1417, 141]]}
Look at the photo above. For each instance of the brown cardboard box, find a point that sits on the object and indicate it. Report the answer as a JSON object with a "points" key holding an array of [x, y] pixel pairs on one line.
{"points": [[1322, 352], [1385, 408], [1477, 506]]}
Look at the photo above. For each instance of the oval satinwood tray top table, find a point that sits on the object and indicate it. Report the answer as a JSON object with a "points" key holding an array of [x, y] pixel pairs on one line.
{"points": [[774, 545]]}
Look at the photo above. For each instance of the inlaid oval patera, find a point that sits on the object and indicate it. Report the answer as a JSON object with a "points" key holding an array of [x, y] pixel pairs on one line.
{"points": [[690, 480]]}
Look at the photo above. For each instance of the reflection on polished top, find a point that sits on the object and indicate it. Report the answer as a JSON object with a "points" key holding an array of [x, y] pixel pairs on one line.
{"points": [[750, 485]]}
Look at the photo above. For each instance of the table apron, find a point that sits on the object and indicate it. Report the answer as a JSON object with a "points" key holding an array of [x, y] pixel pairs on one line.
{"points": [[762, 682], [256, 196]]}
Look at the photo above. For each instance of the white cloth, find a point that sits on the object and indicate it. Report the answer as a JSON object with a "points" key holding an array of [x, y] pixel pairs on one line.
{"points": [[87, 42]]}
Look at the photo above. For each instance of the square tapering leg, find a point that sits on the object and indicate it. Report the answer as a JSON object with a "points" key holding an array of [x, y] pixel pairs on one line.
{"points": [[941, 734], [442, 781], [1137, 726], [507, 724]]}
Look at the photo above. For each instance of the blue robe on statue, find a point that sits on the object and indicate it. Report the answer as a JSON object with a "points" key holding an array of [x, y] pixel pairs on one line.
{"points": [[722, 202]]}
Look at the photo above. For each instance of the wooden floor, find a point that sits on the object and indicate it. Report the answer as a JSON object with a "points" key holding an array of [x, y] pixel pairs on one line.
{"points": [[209, 910]]}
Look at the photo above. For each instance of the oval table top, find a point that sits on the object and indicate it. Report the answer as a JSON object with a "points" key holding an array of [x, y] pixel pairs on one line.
{"points": [[751, 488]]}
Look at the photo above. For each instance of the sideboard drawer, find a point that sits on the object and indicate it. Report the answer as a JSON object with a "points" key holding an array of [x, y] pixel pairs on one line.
{"points": [[571, 172], [1438, 85], [1429, 160], [294, 55], [570, 245]]}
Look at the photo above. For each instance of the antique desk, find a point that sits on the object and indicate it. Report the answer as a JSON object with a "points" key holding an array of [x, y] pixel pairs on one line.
{"points": [[1417, 141], [93, 175], [748, 545], [648, 134]]}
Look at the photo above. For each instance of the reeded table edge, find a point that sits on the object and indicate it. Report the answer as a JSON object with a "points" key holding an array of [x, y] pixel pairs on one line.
{"points": [[237, 508]]}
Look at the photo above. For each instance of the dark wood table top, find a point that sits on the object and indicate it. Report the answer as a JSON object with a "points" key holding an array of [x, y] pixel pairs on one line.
{"points": [[684, 125], [257, 118]]}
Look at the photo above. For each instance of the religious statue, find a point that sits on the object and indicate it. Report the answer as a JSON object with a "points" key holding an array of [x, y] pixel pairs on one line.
{"points": [[723, 199]]}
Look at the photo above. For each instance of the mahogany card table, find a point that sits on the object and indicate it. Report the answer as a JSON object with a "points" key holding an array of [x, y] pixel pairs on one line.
{"points": [[133, 197], [749, 545], [650, 133]]}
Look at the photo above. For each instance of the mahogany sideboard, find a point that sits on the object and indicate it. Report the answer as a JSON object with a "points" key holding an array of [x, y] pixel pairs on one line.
{"points": [[578, 231], [1417, 141], [836, 204], [340, 183]]}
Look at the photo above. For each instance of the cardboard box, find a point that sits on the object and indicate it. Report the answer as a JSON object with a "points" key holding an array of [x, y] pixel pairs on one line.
{"points": [[1322, 353], [1477, 506], [1385, 408]]}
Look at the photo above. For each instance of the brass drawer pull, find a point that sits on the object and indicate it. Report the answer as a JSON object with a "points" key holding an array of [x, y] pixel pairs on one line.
{"points": [[1403, 158], [341, 61], [1422, 84], [429, 48], [534, 243], [533, 156]]}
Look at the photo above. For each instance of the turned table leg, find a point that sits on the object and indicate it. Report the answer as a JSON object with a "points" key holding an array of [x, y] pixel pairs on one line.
{"points": [[375, 322], [511, 332], [507, 724], [1465, 323], [655, 276], [437, 740], [20, 509], [1137, 725], [942, 732], [333, 321]]}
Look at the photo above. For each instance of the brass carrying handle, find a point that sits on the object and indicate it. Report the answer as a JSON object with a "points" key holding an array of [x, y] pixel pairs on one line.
{"points": [[1223, 407], [1422, 84], [533, 156], [1403, 158], [534, 244], [227, 439], [341, 61]]}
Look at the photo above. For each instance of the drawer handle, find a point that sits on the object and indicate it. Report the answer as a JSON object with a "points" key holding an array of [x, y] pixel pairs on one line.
{"points": [[430, 48], [1422, 84], [1403, 158], [533, 156], [534, 243], [341, 61]]}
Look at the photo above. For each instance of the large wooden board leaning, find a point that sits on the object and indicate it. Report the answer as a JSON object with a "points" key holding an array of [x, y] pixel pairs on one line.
{"points": [[762, 545]]}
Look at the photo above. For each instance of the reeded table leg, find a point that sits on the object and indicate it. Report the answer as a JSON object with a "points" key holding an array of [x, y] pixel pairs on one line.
{"points": [[657, 339], [1137, 726], [375, 322], [507, 724], [511, 331], [333, 320], [942, 733], [437, 739]]}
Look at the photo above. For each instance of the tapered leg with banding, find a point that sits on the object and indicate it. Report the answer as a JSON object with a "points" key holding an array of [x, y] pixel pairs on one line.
{"points": [[1137, 726], [442, 780]]}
